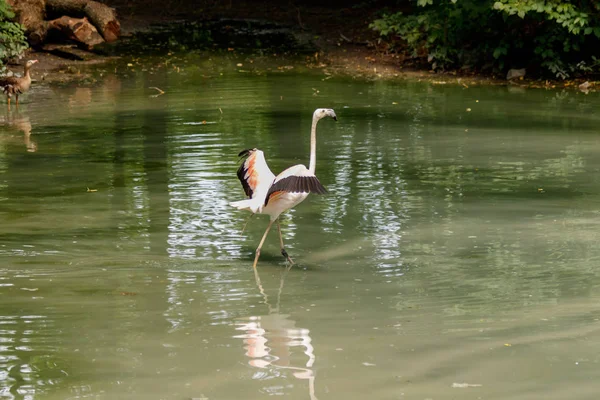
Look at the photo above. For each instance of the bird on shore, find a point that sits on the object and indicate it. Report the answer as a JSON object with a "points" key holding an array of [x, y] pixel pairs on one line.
{"points": [[273, 195], [14, 85]]}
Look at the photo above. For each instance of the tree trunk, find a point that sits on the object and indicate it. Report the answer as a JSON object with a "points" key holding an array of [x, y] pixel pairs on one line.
{"points": [[103, 17]]}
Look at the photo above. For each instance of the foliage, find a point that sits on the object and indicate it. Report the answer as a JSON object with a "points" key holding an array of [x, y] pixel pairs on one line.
{"points": [[550, 36], [12, 35]]}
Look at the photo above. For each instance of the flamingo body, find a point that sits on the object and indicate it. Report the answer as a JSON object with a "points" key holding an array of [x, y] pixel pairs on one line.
{"points": [[273, 195]]}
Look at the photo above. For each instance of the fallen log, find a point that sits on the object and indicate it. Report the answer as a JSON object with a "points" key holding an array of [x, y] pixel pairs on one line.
{"points": [[31, 14], [77, 29], [86, 20], [100, 15]]}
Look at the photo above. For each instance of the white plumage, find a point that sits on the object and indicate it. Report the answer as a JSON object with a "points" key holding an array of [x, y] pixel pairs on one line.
{"points": [[255, 174], [273, 195]]}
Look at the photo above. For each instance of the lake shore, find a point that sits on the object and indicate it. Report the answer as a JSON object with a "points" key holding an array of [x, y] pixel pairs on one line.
{"points": [[344, 46]]}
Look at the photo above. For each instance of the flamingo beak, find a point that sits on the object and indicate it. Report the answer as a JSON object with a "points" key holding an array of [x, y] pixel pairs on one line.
{"points": [[34, 61], [332, 114]]}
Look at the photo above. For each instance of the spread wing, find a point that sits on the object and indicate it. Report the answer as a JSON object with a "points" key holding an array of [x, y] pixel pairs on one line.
{"points": [[296, 179], [254, 173]]}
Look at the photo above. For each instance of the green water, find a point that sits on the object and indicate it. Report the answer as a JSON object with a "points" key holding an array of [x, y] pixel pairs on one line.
{"points": [[456, 256]]}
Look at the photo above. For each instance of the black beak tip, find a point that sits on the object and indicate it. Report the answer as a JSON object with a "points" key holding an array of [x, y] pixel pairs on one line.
{"points": [[335, 118]]}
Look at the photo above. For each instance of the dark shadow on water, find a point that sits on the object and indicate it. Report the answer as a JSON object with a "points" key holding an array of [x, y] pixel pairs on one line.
{"points": [[272, 260]]}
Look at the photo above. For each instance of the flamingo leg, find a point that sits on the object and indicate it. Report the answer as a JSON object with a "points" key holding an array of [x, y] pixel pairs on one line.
{"points": [[283, 252], [261, 244], [17, 99]]}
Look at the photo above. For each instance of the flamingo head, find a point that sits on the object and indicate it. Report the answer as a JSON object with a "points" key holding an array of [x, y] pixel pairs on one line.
{"points": [[324, 112]]}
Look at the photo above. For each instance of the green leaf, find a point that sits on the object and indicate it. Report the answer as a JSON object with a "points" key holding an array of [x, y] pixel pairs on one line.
{"points": [[499, 51], [552, 33]]}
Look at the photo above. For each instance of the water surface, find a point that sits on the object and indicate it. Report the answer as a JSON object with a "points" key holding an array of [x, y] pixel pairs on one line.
{"points": [[456, 255]]}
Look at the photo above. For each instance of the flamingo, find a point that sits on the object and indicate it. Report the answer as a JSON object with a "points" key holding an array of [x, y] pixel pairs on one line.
{"points": [[273, 195]]}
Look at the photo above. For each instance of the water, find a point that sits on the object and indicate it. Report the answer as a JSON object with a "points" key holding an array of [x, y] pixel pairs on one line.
{"points": [[456, 255]]}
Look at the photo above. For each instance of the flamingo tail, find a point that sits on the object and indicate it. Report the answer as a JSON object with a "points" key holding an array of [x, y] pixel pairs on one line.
{"points": [[250, 205]]}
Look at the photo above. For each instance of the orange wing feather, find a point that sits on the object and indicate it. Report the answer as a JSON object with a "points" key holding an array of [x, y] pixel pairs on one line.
{"points": [[274, 196], [254, 172]]}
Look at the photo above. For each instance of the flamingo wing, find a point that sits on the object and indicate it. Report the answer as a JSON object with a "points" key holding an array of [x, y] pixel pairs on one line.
{"points": [[296, 179], [254, 173]]}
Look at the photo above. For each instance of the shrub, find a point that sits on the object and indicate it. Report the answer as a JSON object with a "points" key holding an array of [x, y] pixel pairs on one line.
{"points": [[559, 37], [12, 35]]}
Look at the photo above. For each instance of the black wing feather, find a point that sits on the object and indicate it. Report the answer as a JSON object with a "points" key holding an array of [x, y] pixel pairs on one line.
{"points": [[296, 184], [245, 153], [241, 172]]}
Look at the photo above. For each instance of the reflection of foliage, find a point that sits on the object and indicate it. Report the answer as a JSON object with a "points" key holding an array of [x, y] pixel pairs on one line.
{"points": [[558, 36], [179, 37], [12, 36], [223, 34], [467, 225]]}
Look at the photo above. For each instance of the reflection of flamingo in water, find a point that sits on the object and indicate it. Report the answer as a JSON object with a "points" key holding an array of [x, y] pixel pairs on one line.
{"points": [[268, 339], [273, 195]]}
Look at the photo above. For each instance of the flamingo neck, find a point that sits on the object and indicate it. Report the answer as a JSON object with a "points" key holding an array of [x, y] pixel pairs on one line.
{"points": [[313, 146], [26, 74]]}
